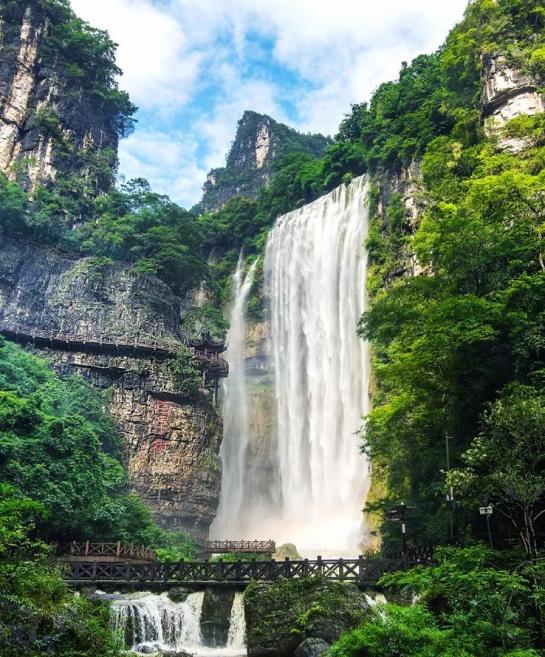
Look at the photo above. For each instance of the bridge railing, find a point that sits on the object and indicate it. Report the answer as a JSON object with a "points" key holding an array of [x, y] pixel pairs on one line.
{"points": [[218, 547], [88, 550], [361, 571]]}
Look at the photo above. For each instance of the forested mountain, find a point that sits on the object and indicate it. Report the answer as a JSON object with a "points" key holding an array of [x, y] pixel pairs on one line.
{"points": [[107, 444], [260, 141]]}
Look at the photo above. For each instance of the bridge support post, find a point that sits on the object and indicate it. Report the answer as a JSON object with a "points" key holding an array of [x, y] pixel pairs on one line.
{"points": [[361, 569]]}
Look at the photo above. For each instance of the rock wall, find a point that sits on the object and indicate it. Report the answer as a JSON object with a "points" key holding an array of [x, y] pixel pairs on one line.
{"points": [[263, 476], [507, 93], [259, 141], [407, 183], [47, 119], [171, 441]]}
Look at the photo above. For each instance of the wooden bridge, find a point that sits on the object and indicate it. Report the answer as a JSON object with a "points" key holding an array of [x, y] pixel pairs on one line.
{"points": [[361, 571], [248, 547]]}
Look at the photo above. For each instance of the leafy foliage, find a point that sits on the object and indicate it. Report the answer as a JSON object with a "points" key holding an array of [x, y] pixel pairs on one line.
{"points": [[453, 342], [473, 603], [39, 616]]}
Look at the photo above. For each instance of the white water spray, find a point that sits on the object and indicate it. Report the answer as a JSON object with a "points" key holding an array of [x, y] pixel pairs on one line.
{"points": [[236, 639], [236, 417], [154, 623], [315, 270]]}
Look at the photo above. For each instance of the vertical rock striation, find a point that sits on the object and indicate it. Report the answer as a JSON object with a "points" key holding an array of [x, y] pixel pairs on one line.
{"points": [[259, 142], [507, 93], [52, 119]]}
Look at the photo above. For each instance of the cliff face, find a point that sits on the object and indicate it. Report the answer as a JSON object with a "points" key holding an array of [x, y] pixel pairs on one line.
{"points": [[51, 121], [259, 142], [171, 441], [507, 93]]}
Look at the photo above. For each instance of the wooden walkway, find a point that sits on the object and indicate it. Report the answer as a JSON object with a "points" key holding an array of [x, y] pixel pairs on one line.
{"points": [[152, 348], [364, 572], [87, 551]]}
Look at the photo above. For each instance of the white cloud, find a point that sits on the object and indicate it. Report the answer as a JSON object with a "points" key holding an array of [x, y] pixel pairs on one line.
{"points": [[168, 160], [171, 49], [158, 58]]}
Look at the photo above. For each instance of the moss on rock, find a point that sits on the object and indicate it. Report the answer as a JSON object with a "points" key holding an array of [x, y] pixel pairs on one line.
{"points": [[280, 616]]}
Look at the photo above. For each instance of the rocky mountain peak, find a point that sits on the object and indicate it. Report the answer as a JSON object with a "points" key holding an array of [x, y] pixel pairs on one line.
{"points": [[259, 142]]}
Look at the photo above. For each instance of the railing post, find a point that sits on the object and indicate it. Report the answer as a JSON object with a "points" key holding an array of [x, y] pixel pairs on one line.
{"points": [[86, 548], [305, 568], [320, 565], [118, 549], [361, 568], [341, 569], [254, 569], [220, 570], [287, 570]]}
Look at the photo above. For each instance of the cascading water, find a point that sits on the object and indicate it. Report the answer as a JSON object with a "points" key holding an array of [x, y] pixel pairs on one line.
{"points": [[154, 623], [315, 269], [311, 490], [236, 421]]}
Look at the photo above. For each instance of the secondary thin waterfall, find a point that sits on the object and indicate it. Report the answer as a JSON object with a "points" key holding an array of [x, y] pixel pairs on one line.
{"points": [[236, 420], [315, 272]]}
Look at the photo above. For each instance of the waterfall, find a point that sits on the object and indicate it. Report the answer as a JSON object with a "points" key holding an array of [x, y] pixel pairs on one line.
{"points": [[236, 421], [154, 623], [315, 272], [236, 639]]}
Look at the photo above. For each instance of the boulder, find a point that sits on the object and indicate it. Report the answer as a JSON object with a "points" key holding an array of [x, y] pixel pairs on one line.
{"points": [[281, 616], [312, 647]]}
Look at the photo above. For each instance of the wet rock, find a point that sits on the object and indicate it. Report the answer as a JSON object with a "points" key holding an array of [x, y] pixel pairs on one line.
{"points": [[288, 550], [312, 648], [216, 617], [178, 594], [281, 616]]}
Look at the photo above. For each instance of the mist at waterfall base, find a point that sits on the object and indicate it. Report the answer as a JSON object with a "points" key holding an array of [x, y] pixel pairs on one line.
{"points": [[315, 278], [150, 623]]}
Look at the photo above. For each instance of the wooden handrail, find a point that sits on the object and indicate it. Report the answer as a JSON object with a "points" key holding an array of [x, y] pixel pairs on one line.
{"points": [[104, 550], [155, 348], [219, 546], [361, 571]]}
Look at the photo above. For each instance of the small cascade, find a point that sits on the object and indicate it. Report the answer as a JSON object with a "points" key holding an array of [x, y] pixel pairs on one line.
{"points": [[154, 624], [236, 415], [236, 639]]}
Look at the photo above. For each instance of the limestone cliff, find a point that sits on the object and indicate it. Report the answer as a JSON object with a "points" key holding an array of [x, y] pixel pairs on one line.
{"points": [[60, 109], [507, 93], [259, 142], [89, 317]]}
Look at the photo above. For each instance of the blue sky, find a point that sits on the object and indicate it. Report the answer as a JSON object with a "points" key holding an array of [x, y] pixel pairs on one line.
{"points": [[194, 66]]}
